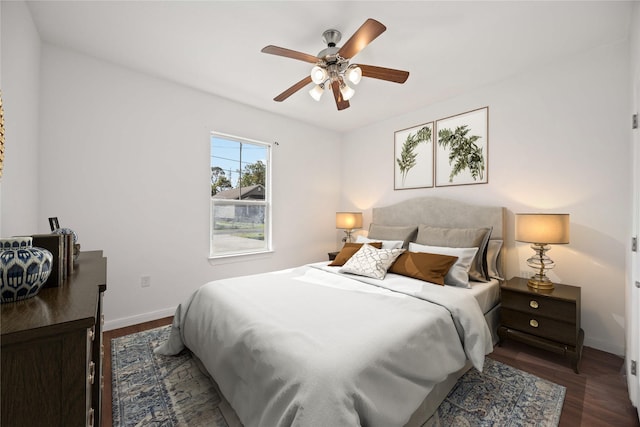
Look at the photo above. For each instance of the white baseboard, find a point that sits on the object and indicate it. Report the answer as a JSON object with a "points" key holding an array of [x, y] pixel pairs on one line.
{"points": [[140, 318], [604, 346]]}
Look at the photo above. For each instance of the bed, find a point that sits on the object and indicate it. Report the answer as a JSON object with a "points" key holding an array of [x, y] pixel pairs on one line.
{"points": [[317, 346]]}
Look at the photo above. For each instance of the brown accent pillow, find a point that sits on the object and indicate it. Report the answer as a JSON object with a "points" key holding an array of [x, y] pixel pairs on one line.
{"points": [[423, 266], [349, 249]]}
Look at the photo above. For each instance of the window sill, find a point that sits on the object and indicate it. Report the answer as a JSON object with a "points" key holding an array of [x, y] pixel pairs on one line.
{"points": [[243, 257]]}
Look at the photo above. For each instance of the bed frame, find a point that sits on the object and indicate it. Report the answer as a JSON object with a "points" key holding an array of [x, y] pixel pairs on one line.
{"points": [[435, 212], [440, 212]]}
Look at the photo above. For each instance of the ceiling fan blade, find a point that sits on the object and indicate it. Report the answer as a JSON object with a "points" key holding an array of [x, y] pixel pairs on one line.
{"points": [[389, 74], [361, 38], [288, 53], [293, 89], [340, 103]]}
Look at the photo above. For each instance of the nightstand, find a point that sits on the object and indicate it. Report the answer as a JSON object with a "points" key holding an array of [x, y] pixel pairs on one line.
{"points": [[546, 319], [333, 255]]}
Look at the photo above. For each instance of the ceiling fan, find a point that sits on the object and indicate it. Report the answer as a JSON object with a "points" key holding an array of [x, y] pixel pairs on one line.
{"points": [[332, 66]]}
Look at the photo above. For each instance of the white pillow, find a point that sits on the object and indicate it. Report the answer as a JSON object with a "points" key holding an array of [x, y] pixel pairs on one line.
{"points": [[458, 274], [386, 244], [371, 262]]}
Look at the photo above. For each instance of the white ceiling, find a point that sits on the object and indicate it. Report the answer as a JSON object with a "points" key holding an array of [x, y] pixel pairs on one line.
{"points": [[449, 47]]}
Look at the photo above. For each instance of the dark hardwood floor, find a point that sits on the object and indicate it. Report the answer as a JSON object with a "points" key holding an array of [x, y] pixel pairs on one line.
{"points": [[595, 397]]}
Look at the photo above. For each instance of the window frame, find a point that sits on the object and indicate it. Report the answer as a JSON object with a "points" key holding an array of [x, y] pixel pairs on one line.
{"points": [[267, 202]]}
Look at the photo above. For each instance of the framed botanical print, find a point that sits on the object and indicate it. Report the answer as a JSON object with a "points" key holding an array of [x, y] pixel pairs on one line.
{"points": [[461, 148], [413, 157]]}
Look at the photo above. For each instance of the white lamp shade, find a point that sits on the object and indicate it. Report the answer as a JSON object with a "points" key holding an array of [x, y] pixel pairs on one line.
{"points": [[354, 74], [316, 92], [347, 92], [542, 228], [348, 220], [318, 75]]}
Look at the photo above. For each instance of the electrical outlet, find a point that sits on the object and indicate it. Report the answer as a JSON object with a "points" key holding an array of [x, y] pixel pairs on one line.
{"points": [[145, 281]]}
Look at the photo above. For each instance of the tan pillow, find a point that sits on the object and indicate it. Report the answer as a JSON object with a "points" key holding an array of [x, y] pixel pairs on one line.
{"points": [[348, 250], [423, 266], [460, 238], [391, 232]]}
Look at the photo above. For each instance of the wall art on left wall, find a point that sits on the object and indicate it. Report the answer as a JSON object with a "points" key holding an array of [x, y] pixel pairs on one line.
{"points": [[413, 157]]}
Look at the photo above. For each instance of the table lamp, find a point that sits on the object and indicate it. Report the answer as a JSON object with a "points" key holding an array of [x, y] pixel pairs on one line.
{"points": [[348, 221], [542, 230]]}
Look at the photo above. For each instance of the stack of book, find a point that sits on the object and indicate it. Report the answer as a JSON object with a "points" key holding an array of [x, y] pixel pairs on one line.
{"points": [[61, 247]]}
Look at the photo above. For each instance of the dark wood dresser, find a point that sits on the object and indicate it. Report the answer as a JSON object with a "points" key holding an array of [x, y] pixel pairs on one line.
{"points": [[545, 319], [52, 351]]}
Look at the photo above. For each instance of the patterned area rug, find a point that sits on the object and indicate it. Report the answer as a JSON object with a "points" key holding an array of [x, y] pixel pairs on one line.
{"points": [[153, 390]]}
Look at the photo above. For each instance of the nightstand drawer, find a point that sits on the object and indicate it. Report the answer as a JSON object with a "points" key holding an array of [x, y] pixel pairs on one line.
{"points": [[545, 319], [536, 305], [545, 327]]}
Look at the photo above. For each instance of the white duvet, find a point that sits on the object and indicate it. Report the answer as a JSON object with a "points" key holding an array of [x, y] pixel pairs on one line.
{"points": [[311, 347]]}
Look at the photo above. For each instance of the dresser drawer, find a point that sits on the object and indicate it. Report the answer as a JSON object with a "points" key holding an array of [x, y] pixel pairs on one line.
{"points": [[544, 327], [50, 352], [90, 375], [535, 305]]}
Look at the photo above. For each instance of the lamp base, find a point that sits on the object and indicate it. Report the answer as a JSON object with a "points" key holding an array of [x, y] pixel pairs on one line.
{"points": [[541, 263], [541, 283]]}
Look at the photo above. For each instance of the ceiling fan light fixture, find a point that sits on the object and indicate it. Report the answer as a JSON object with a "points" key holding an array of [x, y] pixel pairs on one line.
{"points": [[318, 75], [346, 91], [354, 74], [331, 70], [316, 92]]}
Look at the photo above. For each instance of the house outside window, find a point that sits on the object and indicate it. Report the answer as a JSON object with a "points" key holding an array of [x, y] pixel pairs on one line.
{"points": [[240, 196]]}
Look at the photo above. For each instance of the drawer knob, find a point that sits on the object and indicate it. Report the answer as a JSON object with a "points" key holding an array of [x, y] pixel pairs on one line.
{"points": [[533, 323], [92, 372], [533, 304], [90, 417]]}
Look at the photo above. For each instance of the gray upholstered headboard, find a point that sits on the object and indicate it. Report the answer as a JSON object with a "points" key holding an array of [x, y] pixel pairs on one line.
{"points": [[440, 212]]}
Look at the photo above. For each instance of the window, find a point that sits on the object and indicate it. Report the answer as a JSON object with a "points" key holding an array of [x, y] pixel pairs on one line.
{"points": [[240, 196]]}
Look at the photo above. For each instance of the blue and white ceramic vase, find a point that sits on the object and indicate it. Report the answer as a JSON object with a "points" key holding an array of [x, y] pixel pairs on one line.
{"points": [[23, 268]]}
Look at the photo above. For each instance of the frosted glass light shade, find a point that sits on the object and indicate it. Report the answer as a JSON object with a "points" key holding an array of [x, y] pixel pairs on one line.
{"points": [[316, 92], [542, 228], [347, 92], [354, 74], [318, 75], [348, 220]]}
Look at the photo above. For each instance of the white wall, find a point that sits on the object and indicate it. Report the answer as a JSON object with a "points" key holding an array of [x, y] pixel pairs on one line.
{"points": [[127, 167], [123, 161], [19, 82], [558, 142]]}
